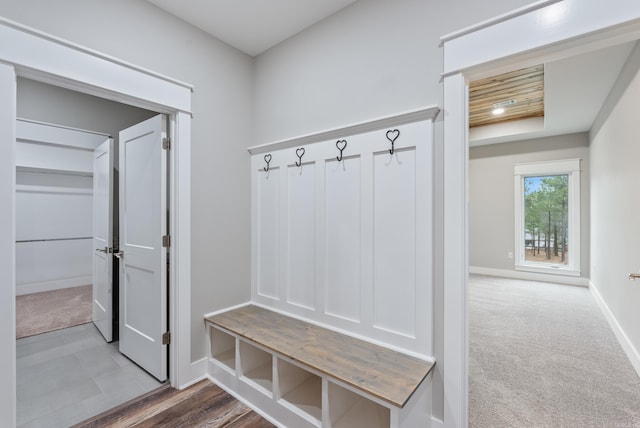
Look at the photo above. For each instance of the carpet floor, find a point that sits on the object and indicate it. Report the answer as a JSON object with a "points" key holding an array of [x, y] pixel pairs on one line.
{"points": [[52, 310], [543, 355], [201, 405]]}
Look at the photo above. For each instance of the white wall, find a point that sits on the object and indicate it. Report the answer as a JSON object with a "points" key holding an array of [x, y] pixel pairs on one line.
{"points": [[491, 195], [374, 58], [140, 33], [615, 176], [51, 207]]}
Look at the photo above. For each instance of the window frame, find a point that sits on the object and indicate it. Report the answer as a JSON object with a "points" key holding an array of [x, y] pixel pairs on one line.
{"points": [[571, 168]]}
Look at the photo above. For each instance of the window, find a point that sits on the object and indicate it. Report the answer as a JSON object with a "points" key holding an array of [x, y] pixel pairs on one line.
{"points": [[547, 210]]}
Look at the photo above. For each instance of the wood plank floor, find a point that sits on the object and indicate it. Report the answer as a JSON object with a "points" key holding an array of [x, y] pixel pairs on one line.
{"points": [[201, 405]]}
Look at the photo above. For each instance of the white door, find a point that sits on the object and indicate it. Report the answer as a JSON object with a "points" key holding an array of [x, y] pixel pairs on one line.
{"points": [[143, 259], [103, 238]]}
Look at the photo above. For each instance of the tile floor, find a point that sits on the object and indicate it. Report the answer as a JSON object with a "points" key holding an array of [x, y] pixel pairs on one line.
{"points": [[67, 376]]}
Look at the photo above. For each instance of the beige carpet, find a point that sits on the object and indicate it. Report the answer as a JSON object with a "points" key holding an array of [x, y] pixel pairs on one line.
{"points": [[543, 355], [52, 310]]}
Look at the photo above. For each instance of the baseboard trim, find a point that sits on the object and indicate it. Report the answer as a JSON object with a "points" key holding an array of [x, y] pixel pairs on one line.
{"points": [[623, 339], [57, 284], [230, 308], [530, 276], [196, 372], [436, 423]]}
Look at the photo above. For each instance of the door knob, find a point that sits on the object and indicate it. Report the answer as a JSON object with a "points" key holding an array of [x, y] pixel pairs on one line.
{"points": [[634, 276], [102, 250], [119, 254]]}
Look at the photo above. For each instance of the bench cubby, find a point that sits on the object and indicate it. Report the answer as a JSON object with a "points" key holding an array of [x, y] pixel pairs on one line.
{"points": [[256, 367], [223, 349], [300, 390], [347, 409]]}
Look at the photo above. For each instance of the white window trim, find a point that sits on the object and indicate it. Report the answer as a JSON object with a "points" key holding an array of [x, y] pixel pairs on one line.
{"points": [[570, 167]]}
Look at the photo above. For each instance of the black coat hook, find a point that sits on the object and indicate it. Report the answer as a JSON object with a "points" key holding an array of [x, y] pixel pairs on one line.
{"points": [[392, 135], [342, 143], [267, 159], [299, 153]]}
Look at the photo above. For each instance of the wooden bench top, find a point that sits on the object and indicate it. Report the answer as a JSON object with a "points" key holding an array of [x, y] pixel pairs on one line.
{"points": [[388, 375]]}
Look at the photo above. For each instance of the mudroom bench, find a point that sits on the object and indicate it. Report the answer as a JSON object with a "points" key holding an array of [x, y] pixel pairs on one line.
{"points": [[300, 374]]}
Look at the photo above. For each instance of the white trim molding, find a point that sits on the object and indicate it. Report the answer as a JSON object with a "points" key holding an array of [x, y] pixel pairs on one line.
{"points": [[496, 20], [41, 56], [7, 243], [571, 168], [627, 345], [537, 27], [529, 276], [424, 113], [57, 284], [456, 252]]}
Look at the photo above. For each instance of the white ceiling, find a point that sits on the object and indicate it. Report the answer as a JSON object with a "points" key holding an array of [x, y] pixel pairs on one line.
{"points": [[575, 90], [252, 26]]}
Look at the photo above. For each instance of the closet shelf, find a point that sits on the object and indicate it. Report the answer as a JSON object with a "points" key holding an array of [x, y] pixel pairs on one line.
{"points": [[38, 170]]}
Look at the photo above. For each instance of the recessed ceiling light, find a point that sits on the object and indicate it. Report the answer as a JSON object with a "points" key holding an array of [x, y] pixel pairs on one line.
{"points": [[498, 108], [504, 103]]}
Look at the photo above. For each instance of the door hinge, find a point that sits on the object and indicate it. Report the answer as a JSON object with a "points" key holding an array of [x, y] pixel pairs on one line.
{"points": [[166, 143], [166, 241], [166, 338]]}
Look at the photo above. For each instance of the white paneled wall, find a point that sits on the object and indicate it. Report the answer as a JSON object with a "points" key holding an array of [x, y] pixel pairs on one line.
{"points": [[54, 206], [348, 243]]}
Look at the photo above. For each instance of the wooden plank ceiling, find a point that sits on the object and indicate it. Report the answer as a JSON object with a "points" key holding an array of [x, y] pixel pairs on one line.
{"points": [[525, 86]]}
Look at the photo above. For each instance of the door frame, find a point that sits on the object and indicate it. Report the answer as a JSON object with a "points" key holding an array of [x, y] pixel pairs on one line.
{"points": [[543, 31], [38, 56]]}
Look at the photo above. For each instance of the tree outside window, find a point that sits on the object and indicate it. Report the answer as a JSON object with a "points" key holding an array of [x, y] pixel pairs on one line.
{"points": [[546, 219]]}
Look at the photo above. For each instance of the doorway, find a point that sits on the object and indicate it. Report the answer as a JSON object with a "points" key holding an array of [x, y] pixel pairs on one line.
{"points": [[76, 68], [600, 25], [56, 167], [497, 308]]}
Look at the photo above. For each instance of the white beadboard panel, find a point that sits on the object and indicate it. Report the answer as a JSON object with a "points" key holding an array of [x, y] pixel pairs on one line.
{"points": [[268, 232], [395, 242], [352, 240], [301, 235], [342, 228]]}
